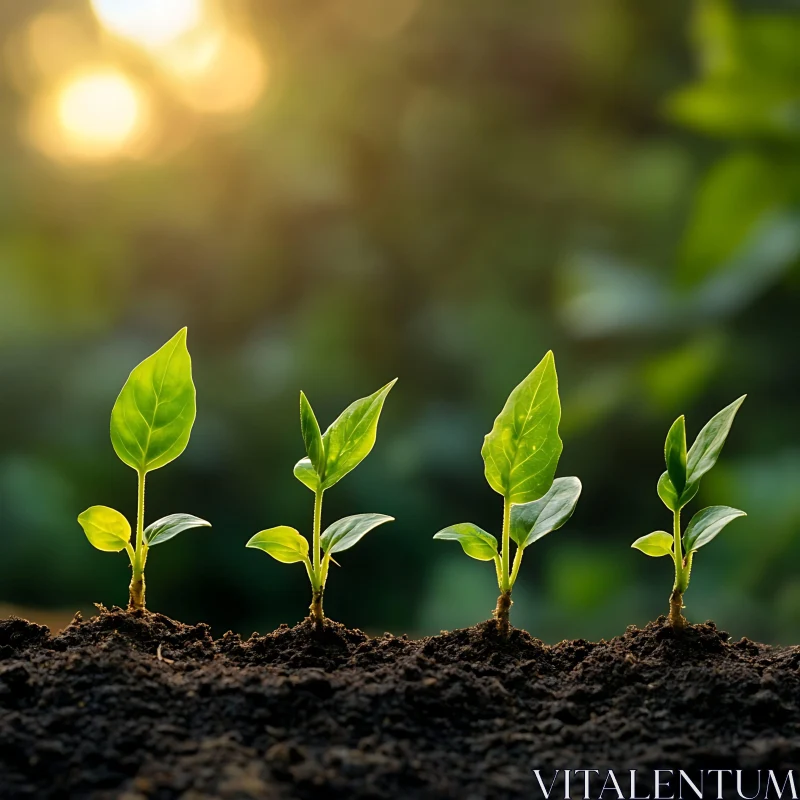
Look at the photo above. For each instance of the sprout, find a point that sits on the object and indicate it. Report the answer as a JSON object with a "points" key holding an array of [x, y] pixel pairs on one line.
{"points": [[520, 455], [329, 457], [676, 487], [150, 426]]}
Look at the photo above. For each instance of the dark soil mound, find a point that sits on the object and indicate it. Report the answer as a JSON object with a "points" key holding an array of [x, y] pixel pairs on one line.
{"points": [[139, 706]]}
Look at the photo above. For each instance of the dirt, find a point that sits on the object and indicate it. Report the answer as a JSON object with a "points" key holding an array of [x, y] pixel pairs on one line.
{"points": [[139, 706]]}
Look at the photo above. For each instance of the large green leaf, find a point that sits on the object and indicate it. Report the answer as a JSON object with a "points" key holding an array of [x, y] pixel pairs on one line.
{"points": [[675, 454], [531, 521], [154, 413], [349, 439], [476, 542], [283, 543], [346, 532], [671, 499], [312, 438], [105, 528], [705, 451], [658, 543], [706, 524], [164, 529], [521, 451]]}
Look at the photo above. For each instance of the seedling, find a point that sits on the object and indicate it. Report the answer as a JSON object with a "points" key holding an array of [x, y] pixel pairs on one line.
{"points": [[520, 456], [329, 457], [676, 487], [150, 426]]}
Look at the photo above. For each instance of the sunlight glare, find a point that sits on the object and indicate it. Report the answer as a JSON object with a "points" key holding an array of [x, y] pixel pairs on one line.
{"points": [[98, 114], [151, 23]]}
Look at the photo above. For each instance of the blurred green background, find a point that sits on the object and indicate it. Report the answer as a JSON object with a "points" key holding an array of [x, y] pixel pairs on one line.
{"points": [[333, 194]]}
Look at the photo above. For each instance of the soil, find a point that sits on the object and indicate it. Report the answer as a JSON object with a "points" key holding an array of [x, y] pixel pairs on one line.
{"points": [[134, 706]]}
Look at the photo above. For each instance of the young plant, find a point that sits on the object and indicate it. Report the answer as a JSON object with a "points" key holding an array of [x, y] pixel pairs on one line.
{"points": [[520, 455], [150, 426], [329, 457], [676, 487]]}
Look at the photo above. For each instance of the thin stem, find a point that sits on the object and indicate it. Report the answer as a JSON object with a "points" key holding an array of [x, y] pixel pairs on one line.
{"points": [[505, 585], [676, 618], [319, 569], [515, 568], [317, 532], [136, 600]]}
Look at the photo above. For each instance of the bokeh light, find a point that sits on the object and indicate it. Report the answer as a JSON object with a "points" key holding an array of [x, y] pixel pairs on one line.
{"points": [[151, 23], [230, 81], [95, 114]]}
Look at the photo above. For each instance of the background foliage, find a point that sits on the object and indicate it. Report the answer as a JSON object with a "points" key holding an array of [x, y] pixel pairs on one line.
{"points": [[435, 191]]}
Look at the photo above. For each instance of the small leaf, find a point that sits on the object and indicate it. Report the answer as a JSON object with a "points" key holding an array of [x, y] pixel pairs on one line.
{"points": [[312, 438], [675, 454], [349, 439], [153, 416], [283, 543], [521, 451], [304, 472], [531, 521], [658, 543], [346, 532], [105, 528], [708, 444], [706, 524], [670, 498], [165, 528], [475, 541]]}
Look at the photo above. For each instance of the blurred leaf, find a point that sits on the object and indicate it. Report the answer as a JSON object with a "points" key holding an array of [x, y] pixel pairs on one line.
{"points": [[735, 195]]}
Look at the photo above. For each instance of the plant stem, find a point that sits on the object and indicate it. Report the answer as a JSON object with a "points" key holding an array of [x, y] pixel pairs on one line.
{"points": [[676, 618], [504, 600], [506, 586], [318, 581], [137, 588]]}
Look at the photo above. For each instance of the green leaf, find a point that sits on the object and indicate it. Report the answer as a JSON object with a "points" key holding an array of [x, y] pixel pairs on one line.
{"points": [[671, 499], [705, 451], [706, 524], [475, 541], [304, 472], [283, 543], [312, 438], [349, 439], [105, 528], [154, 413], [675, 454], [531, 521], [346, 532], [165, 528], [658, 543], [521, 451]]}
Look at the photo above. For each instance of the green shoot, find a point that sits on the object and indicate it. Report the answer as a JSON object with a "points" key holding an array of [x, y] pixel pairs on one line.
{"points": [[520, 455], [329, 457], [150, 426], [677, 487]]}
